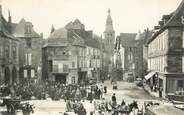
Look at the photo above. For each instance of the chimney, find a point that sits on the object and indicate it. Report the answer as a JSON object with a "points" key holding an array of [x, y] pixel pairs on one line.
{"points": [[52, 29], [165, 18], [161, 23], [156, 27], [9, 21]]}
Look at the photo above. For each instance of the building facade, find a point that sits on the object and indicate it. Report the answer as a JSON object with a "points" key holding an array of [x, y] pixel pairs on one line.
{"points": [[72, 55], [128, 53], [9, 53], [141, 53], [30, 49], [165, 53], [146, 36]]}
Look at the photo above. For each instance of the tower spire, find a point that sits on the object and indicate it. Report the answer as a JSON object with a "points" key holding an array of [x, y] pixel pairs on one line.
{"points": [[109, 11], [109, 23]]}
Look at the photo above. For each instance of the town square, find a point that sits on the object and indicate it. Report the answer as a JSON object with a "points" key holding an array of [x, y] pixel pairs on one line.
{"points": [[84, 57]]}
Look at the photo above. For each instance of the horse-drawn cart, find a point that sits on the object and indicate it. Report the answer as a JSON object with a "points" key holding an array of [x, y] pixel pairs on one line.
{"points": [[14, 103]]}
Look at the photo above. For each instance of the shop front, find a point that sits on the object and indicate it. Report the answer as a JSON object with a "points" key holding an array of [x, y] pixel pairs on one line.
{"points": [[165, 83], [155, 81], [60, 77], [82, 76]]}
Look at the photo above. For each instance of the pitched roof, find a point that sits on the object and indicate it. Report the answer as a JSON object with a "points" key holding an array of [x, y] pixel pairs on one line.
{"points": [[18, 29], [75, 25], [78, 41], [128, 39], [67, 36], [93, 42], [59, 33], [70, 34], [4, 28], [174, 21]]}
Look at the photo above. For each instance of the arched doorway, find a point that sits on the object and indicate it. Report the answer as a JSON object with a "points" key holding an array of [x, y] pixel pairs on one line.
{"points": [[14, 74], [7, 75]]}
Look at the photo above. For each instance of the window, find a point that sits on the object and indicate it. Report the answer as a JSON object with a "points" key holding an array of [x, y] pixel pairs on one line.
{"points": [[28, 28], [81, 63], [32, 73], [14, 52], [28, 42], [180, 83], [89, 51], [25, 73], [65, 68], [29, 73], [73, 64], [55, 68], [7, 52], [50, 65], [28, 58], [90, 63], [73, 80]]}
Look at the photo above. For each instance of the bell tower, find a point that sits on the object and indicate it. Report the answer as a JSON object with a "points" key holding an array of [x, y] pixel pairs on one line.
{"points": [[109, 38], [109, 34]]}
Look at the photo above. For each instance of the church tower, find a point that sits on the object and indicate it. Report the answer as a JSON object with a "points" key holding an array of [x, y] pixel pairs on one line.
{"points": [[109, 37], [109, 34]]}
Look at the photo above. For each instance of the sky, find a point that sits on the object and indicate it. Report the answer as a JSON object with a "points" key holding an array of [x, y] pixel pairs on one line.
{"points": [[129, 16]]}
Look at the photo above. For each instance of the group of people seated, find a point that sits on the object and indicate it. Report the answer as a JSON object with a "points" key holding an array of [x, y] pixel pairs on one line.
{"points": [[105, 106]]}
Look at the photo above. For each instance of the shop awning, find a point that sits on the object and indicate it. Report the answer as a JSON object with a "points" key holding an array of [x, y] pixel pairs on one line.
{"points": [[149, 75]]}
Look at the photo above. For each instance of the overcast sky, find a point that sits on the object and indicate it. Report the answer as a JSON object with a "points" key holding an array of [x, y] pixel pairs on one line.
{"points": [[129, 16]]}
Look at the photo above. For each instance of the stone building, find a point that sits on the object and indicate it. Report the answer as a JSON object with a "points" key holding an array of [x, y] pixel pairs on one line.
{"points": [[71, 55], [128, 44], [141, 54], [109, 39], [165, 53], [146, 35], [93, 58], [30, 49], [9, 53]]}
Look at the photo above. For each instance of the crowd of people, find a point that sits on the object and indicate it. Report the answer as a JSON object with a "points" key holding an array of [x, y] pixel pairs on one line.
{"points": [[28, 90], [72, 94]]}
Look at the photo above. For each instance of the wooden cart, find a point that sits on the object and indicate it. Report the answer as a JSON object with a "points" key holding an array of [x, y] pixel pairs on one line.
{"points": [[12, 104]]}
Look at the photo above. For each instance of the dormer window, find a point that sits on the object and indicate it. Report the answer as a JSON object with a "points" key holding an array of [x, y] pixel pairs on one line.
{"points": [[28, 28]]}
